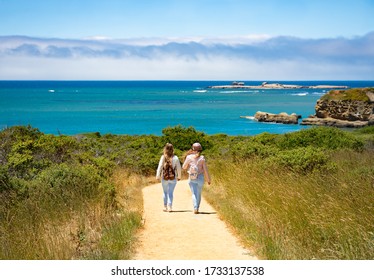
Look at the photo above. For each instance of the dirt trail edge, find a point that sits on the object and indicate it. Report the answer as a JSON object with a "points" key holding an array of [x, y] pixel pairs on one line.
{"points": [[182, 235]]}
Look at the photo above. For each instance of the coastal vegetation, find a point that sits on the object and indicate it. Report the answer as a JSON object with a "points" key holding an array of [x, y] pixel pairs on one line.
{"points": [[309, 199], [353, 94], [302, 195]]}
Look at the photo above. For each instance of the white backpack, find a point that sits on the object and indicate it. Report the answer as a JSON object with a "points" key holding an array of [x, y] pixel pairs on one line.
{"points": [[194, 169]]}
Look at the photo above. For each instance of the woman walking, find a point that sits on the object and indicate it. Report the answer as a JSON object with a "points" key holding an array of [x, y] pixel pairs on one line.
{"points": [[169, 171], [198, 171]]}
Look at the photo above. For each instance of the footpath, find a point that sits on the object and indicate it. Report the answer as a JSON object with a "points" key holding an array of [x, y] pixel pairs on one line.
{"points": [[183, 235]]}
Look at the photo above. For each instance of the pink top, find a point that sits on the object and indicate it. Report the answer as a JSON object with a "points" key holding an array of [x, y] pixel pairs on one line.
{"points": [[201, 163]]}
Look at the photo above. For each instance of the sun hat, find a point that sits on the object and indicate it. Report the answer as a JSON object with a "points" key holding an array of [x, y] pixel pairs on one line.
{"points": [[197, 147]]}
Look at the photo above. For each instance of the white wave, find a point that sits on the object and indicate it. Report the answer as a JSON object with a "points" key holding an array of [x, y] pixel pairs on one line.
{"points": [[200, 90], [238, 91], [300, 94], [51, 90], [250, 118]]}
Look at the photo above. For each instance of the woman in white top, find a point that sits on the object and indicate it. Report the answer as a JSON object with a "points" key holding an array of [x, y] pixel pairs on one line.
{"points": [[198, 171], [169, 171]]}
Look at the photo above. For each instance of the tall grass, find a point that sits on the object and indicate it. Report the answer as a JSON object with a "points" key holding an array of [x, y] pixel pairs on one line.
{"points": [[325, 214], [69, 212], [118, 240]]}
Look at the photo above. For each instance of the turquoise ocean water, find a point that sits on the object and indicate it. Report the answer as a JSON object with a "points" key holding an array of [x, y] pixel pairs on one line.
{"points": [[146, 107]]}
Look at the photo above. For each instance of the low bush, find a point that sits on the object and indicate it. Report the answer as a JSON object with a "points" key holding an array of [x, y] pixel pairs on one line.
{"points": [[328, 138], [301, 160]]}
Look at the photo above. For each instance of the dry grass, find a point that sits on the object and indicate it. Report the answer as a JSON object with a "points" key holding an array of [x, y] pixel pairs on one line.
{"points": [[285, 215], [101, 228]]}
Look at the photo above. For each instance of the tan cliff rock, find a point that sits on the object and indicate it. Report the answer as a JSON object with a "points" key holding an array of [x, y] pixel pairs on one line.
{"points": [[276, 118], [344, 108]]}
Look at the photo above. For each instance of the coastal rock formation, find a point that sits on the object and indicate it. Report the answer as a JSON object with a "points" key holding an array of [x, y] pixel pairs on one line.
{"points": [[348, 110], [277, 118], [344, 108], [333, 122], [266, 85]]}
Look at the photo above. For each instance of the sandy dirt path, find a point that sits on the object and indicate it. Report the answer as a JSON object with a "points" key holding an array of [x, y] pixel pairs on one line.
{"points": [[182, 235]]}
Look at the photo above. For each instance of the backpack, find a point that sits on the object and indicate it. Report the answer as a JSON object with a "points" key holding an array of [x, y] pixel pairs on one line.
{"points": [[168, 171], [193, 170]]}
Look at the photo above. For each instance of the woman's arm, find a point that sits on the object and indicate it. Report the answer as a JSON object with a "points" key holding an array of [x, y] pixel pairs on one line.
{"points": [[159, 168], [206, 172], [179, 168], [186, 163]]}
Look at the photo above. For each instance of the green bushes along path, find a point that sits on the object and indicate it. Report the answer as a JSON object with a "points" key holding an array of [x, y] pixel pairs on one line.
{"points": [[302, 195]]}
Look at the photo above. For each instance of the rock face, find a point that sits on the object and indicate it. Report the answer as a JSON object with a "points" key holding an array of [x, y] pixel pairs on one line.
{"points": [[351, 108], [277, 118], [333, 122], [344, 110]]}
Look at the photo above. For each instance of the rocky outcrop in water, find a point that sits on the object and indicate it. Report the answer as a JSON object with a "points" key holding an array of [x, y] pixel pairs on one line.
{"points": [[277, 118], [266, 85], [344, 108]]}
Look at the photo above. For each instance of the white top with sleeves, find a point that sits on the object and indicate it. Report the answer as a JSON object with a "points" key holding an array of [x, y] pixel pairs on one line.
{"points": [[176, 166]]}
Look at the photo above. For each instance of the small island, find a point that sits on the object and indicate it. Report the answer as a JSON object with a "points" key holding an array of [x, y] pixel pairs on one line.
{"points": [[266, 85]]}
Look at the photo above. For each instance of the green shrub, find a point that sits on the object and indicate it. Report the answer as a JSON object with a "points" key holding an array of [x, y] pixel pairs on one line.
{"points": [[5, 182], [301, 159], [182, 138], [20, 158], [56, 149], [251, 148], [69, 182], [321, 137]]}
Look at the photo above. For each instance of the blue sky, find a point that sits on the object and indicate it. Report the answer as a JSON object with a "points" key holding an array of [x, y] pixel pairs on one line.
{"points": [[194, 39]]}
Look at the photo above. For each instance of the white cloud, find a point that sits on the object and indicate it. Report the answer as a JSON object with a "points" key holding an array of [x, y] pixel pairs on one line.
{"points": [[256, 57]]}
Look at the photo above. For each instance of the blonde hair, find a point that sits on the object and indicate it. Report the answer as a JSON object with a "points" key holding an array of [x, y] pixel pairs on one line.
{"points": [[168, 151], [196, 149]]}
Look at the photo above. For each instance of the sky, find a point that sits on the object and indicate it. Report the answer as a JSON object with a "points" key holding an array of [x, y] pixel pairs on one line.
{"points": [[187, 39]]}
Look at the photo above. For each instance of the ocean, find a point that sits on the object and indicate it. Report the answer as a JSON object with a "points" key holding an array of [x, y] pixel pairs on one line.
{"points": [[146, 107]]}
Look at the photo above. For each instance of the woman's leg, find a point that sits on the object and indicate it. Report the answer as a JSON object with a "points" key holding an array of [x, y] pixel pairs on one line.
{"points": [[193, 187], [164, 185], [199, 188], [171, 188], [196, 188]]}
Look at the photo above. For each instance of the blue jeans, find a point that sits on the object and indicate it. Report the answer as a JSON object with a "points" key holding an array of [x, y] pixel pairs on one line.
{"points": [[168, 188], [196, 187]]}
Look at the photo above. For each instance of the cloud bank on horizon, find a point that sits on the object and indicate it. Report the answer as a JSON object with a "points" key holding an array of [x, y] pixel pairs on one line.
{"points": [[254, 57], [187, 40]]}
